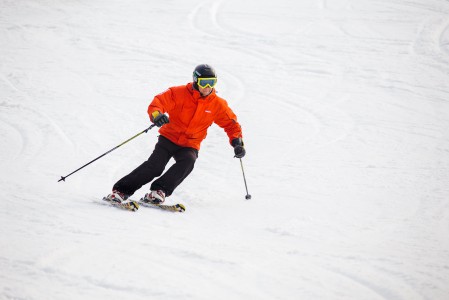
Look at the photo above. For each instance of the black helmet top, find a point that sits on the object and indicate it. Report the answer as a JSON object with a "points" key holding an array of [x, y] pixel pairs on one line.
{"points": [[203, 71]]}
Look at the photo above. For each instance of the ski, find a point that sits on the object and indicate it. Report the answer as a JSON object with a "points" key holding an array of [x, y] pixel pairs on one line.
{"points": [[133, 205], [174, 208], [130, 205]]}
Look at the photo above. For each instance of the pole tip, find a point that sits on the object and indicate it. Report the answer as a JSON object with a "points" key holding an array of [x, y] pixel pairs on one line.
{"points": [[62, 179], [247, 197]]}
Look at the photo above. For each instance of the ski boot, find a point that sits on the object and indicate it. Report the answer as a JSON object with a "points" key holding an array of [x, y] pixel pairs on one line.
{"points": [[120, 199], [154, 197]]}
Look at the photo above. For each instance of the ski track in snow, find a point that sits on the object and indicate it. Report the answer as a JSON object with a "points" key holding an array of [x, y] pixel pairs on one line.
{"points": [[345, 111]]}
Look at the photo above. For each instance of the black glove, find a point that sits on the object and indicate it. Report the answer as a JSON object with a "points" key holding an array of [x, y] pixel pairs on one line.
{"points": [[239, 150], [160, 119]]}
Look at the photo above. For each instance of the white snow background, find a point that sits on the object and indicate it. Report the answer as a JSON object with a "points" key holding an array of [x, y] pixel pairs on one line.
{"points": [[345, 110]]}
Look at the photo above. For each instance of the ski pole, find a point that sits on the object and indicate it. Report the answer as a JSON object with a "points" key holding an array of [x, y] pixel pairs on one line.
{"points": [[248, 196], [144, 131]]}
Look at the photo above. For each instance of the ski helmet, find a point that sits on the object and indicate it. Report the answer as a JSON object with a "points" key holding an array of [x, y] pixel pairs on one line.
{"points": [[203, 71]]}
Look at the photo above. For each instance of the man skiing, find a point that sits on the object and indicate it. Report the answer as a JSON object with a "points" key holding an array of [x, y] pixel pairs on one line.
{"points": [[191, 109]]}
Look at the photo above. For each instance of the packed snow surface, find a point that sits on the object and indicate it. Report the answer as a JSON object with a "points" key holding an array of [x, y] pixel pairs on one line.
{"points": [[345, 110]]}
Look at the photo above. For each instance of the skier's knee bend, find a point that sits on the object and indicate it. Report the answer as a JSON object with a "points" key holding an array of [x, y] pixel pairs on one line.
{"points": [[188, 157]]}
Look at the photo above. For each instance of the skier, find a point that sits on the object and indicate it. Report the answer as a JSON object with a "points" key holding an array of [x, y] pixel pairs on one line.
{"points": [[183, 113]]}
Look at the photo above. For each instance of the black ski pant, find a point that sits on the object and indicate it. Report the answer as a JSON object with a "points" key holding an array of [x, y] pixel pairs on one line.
{"points": [[164, 150]]}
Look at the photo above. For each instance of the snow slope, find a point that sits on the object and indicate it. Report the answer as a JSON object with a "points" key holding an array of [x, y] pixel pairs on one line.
{"points": [[345, 111]]}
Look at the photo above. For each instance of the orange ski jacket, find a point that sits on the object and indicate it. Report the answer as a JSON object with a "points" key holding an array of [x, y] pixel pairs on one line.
{"points": [[191, 115]]}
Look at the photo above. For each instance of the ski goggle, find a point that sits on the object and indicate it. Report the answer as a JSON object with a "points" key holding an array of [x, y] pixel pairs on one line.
{"points": [[207, 82]]}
